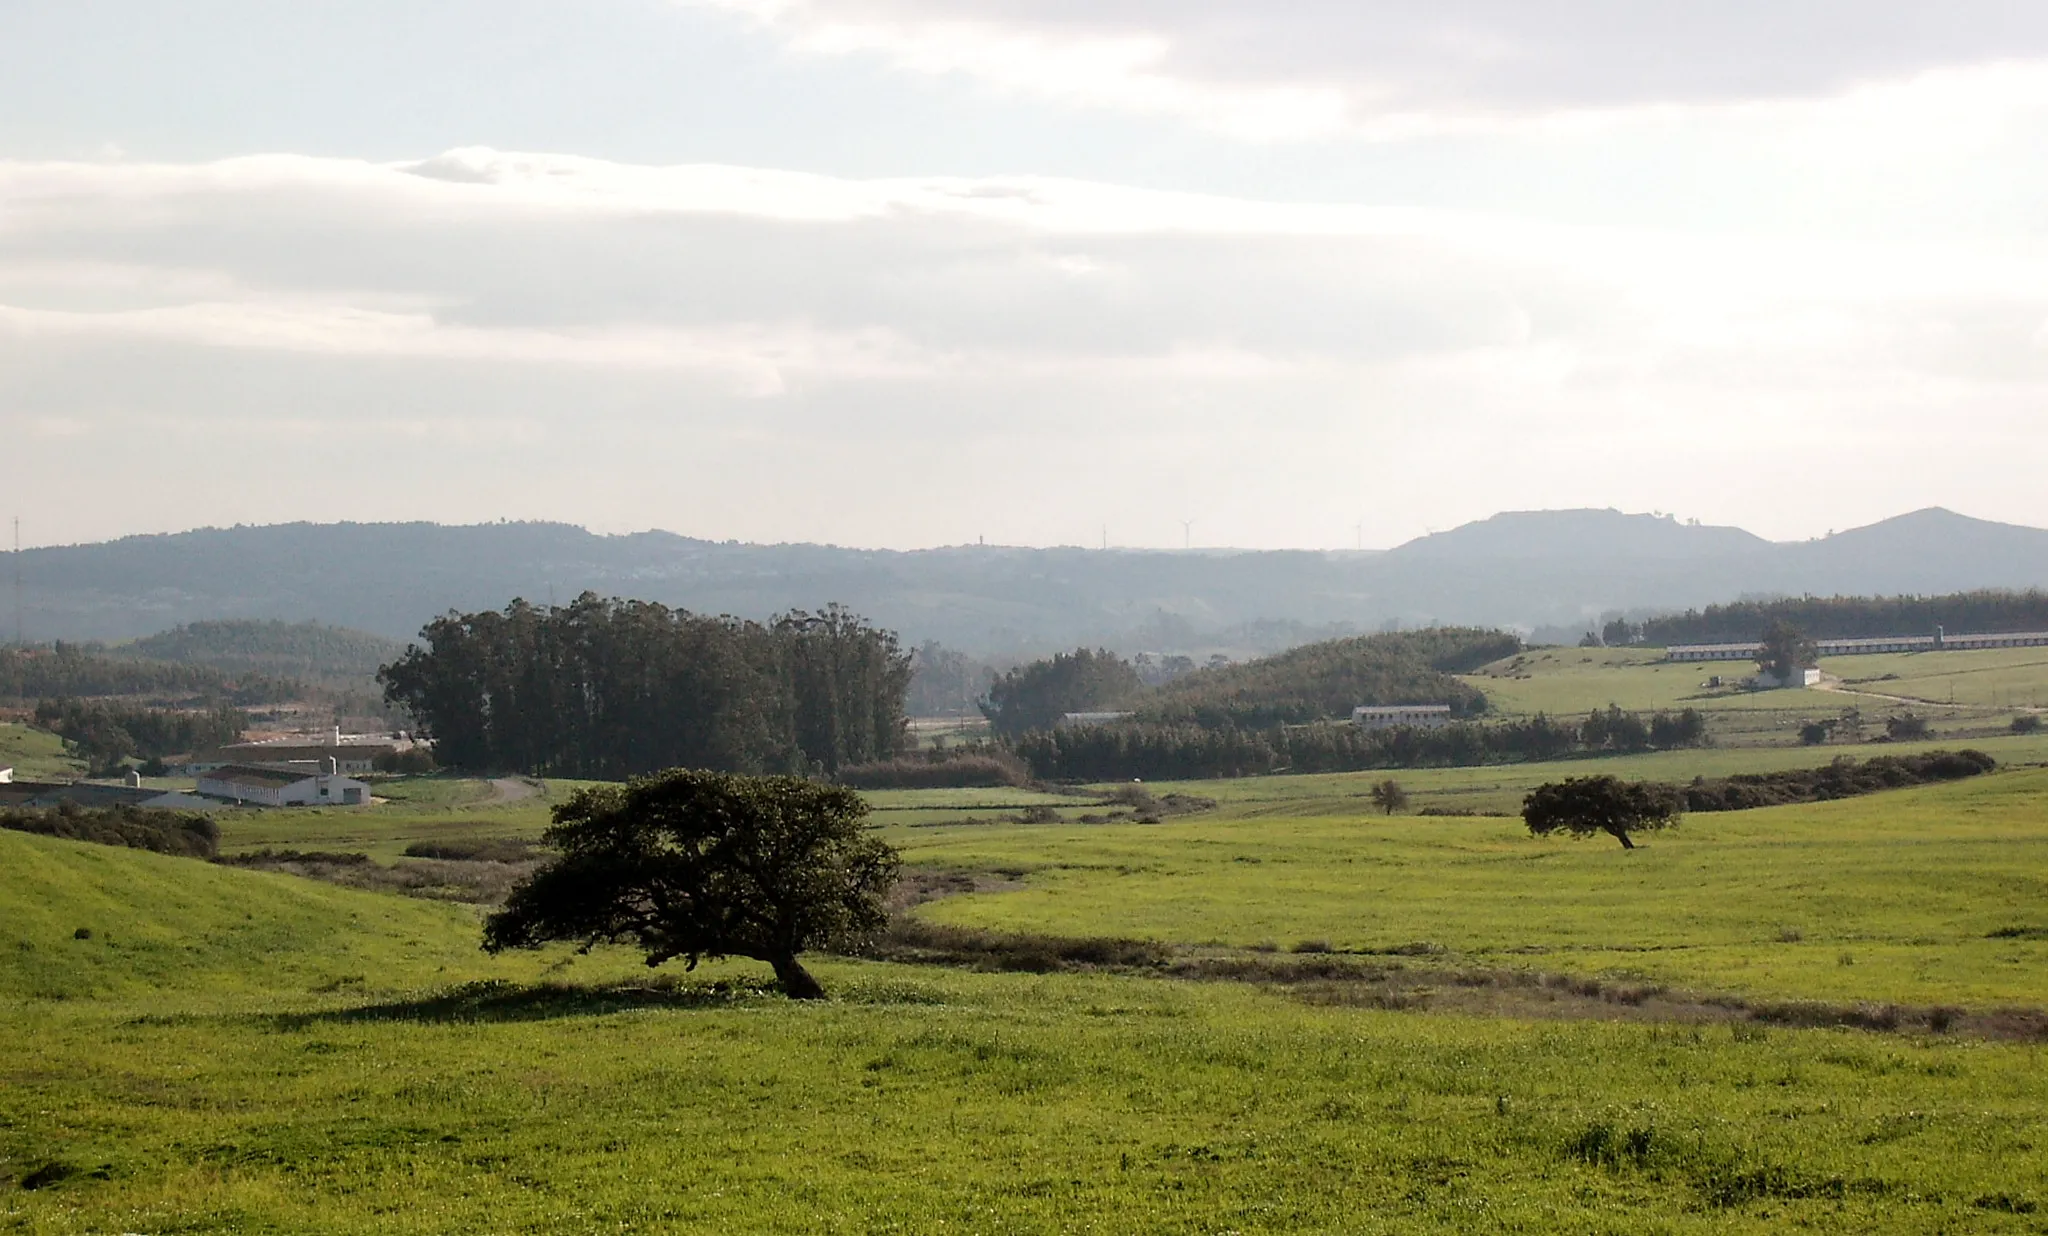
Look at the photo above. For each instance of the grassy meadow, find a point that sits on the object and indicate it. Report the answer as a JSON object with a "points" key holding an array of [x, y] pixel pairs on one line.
{"points": [[1889, 897], [234, 1051], [1825, 1017], [1988, 686]]}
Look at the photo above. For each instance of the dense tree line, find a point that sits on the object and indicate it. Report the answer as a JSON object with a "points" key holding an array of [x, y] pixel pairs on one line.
{"points": [[608, 688], [1036, 696], [1986, 612], [1327, 680], [1844, 778], [1187, 751], [107, 734], [66, 670], [299, 650]]}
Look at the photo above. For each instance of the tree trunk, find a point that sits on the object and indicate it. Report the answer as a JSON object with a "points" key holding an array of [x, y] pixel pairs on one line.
{"points": [[796, 981], [1622, 836]]}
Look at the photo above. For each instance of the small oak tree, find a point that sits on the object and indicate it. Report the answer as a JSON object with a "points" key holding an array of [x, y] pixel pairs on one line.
{"points": [[701, 864], [1583, 806], [1388, 796]]}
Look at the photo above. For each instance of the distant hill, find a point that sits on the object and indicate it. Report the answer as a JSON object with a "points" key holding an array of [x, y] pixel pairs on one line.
{"points": [[1521, 569], [1567, 535]]}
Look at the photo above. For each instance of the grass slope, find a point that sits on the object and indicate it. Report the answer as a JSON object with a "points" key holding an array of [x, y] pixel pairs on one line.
{"points": [[36, 755], [162, 924], [1888, 897], [1987, 686], [235, 1052]]}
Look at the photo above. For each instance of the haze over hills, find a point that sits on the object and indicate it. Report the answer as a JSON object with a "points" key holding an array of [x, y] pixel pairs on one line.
{"points": [[1555, 569]]}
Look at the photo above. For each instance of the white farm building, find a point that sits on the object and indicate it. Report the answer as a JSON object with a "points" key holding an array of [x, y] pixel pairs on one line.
{"points": [[250, 784], [1938, 642], [1389, 716]]}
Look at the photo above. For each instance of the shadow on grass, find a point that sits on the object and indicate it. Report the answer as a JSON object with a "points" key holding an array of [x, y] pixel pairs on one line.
{"points": [[499, 1001]]}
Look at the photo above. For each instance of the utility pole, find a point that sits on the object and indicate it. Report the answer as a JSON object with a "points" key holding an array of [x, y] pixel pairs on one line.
{"points": [[1187, 534]]}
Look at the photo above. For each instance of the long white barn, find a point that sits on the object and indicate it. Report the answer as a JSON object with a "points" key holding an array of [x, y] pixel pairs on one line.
{"points": [[1389, 716], [1865, 647]]}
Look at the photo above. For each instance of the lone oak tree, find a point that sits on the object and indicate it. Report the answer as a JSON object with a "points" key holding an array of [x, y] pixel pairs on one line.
{"points": [[701, 864], [1389, 796], [1586, 805]]}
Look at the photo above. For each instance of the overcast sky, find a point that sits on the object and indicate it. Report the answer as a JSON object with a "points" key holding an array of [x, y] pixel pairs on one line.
{"points": [[905, 273]]}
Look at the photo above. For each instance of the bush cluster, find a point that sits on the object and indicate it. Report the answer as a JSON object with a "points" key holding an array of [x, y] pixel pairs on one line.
{"points": [[186, 834], [1844, 778], [939, 770]]}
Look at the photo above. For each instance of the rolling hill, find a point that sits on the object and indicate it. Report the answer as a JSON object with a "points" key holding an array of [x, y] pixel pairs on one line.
{"points": [[1519, 569]]}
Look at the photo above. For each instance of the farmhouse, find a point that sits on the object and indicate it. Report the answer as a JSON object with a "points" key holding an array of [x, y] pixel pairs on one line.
{"points": [[1388, 716], [252, 784], [6, 775]]}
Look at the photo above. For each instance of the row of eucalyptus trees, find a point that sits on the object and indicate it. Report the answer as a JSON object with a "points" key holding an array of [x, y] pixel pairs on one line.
{"points": [[607, 688]]}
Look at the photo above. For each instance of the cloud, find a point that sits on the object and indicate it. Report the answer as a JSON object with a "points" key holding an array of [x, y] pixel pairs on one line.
{"points": [[1322, 68], [760, 353]]}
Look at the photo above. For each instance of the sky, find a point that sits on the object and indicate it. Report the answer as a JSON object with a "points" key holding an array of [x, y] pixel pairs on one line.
{"points": [[900, 273]]}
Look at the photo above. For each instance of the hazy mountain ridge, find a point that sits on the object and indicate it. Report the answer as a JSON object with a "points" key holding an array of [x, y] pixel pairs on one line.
{"points": [[1522, 569]]}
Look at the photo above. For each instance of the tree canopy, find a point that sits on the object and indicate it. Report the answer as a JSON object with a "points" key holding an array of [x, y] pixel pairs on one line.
{"points": [[1583, 806], [1786, 650], [1035, 696], [701, 864], [605, 688], [1388, 796]]}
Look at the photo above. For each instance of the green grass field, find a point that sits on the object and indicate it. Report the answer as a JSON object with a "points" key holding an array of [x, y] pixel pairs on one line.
{"points": [[196, 1048], [239, 1052], [1989, 686], [2002, 679], [1890, 897], [36, 755]]}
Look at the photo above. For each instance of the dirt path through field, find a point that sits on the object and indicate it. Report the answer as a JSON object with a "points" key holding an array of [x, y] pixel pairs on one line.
{"points": [[511, 790], [1835, 686]]}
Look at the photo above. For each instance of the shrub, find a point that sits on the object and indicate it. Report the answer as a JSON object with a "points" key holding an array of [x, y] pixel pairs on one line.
{"points": [[1844, 778], [414, 761], [185, 834], [1905, 727], [488, 850], [973, 769]]}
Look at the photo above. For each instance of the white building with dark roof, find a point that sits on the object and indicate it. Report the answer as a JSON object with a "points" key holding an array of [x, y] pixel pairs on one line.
{"points": [[255, 785]]}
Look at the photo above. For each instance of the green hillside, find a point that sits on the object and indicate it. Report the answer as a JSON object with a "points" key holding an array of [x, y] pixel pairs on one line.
{"points": [[36, 755], [163, 924], [1328, 679]]}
